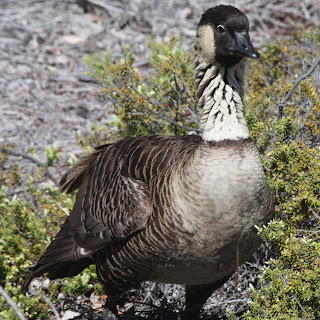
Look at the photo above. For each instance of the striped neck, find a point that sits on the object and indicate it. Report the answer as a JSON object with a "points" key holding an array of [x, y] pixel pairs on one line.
{"points": [[219, 93]]}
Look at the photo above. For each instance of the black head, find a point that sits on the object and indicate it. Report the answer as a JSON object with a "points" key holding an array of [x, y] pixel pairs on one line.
{"points": [[224, 30]]}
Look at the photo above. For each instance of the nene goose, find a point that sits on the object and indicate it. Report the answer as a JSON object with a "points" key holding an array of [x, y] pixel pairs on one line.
{"points": [[177, 209]]}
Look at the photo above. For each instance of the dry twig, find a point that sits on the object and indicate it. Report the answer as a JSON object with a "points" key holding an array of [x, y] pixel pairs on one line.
{"points": [[288, 95], [12, 304], [295, 298], [35, 161]]}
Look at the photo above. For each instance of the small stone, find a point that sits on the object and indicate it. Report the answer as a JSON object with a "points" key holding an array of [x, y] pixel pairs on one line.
{"points": [[61, 296], [69, 314]]}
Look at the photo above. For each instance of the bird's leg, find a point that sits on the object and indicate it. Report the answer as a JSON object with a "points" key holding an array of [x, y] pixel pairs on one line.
{"points": [[115, 298], [111, 305], [197, 295]]}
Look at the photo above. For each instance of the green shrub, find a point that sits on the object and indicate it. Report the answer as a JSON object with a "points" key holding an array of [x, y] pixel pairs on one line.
{"points": [[26, 229], [162, 102], [289, 285]]}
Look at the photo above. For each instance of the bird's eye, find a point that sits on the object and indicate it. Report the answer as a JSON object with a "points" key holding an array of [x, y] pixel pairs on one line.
{"points": [[220, 28]]}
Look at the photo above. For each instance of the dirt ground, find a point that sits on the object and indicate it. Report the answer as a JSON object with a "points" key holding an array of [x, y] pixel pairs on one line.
{"points": [[45, 95]]}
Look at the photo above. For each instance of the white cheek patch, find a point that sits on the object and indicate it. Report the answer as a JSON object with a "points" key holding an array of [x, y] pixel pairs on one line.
{"points": [[206, 43]]}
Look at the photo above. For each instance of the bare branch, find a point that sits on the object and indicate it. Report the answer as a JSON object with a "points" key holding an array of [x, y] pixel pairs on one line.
{"points": [[48, 301], [103, 5], [288, 95], [12, 304], [293, 296], [35, 161], [314, 213]]}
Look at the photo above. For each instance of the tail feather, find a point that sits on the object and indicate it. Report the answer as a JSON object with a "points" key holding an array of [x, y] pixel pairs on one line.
{"points": [[63, 257], [56, 270]]}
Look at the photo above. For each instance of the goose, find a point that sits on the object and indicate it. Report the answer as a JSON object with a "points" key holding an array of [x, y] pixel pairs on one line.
{"points": [[172, 209]]}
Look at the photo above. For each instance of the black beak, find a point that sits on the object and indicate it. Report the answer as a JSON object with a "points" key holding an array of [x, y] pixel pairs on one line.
{"points": [[243, 47]]}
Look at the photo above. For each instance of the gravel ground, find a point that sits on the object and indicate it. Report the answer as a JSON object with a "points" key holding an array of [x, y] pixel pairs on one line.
{"points": [[45, 96]]}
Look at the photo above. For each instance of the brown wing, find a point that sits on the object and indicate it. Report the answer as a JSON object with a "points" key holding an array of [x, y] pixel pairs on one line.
{"points": [[112, 203]]}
